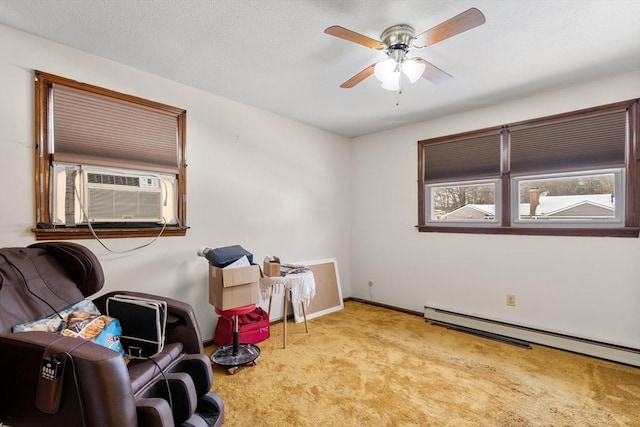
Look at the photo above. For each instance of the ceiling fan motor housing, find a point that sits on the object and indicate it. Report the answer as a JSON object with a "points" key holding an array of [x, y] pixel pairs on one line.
{"points": [[398, 37]]}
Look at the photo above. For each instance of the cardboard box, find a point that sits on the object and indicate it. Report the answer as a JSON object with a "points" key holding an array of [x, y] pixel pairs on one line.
{"points": [[271, 268], [234, 287]]}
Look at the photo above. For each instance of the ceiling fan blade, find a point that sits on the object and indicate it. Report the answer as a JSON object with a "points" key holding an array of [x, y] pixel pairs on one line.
{"points": [[358, 77], [352, 36], [456, 25], [431, 72]]}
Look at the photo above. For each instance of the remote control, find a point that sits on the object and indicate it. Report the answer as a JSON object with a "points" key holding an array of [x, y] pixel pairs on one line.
{"points": [[50, 369]]}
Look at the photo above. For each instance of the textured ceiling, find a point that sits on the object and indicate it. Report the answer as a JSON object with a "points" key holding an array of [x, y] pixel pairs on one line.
{"points": [[273, 54]]}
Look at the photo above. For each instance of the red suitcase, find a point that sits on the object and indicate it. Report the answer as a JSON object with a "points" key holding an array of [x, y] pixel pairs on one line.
{"points": [[253, 328]]}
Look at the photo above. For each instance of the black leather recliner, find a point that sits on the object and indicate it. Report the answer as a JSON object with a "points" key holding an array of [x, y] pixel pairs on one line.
{"points": [[95, 386]]}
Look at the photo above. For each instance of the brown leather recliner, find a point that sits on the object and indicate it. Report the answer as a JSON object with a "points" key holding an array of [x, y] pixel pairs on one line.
{"points": [[94, 385]]}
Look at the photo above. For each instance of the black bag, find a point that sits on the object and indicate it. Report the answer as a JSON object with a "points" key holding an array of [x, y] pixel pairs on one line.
{"points": [[221, 257], [143, 323]]}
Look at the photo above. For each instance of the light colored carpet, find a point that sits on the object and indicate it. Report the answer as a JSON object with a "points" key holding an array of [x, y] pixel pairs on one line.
{"points": [[370, 366]]}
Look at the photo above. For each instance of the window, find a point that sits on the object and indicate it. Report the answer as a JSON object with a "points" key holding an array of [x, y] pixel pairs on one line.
{"points": [[571, 174], [106, 163], [471, 202], [577, 199], [461, 179]]}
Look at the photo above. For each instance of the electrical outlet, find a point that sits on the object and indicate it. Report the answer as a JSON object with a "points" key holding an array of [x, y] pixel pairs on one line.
{"points": [[511, 300], [371, 283]]}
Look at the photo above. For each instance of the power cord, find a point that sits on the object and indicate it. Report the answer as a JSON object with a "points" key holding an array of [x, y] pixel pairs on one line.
{"points": [[84, 212], [166, 381], [75, 380], [164, 225]]}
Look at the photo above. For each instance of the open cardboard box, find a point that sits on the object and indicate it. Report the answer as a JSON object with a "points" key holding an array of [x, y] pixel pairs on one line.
{"points": [[234, 287]]}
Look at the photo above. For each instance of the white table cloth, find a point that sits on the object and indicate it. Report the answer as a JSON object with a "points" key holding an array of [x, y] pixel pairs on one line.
{"points": [[301, 287]]}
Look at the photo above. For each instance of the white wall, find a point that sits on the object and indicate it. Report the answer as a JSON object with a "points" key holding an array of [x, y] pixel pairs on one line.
{"points": [[582, 286], [278, 187], [275, 186]]}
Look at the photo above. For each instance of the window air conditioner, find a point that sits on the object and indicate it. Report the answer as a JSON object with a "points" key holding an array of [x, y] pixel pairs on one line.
{"points": [[93, 194]]}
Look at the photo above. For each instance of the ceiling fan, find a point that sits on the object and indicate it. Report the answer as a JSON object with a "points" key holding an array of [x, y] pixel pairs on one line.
{"points": [[397, 40]]}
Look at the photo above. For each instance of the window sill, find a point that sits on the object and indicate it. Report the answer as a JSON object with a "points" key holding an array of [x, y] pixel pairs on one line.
{"points": [[106, 233], [589, 232]]}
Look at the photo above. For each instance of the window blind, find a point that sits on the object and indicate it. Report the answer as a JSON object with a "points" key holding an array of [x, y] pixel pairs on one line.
{"points": [[579, 144], [97, 129], [469, 158]]}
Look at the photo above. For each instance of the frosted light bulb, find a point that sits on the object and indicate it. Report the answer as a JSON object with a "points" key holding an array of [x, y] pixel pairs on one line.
{"points": [[384, 70], [413, 70]]}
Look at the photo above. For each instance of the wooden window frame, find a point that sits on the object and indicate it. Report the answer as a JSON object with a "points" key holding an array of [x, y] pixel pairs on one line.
{"points": [[43, 229], [631, 226]]}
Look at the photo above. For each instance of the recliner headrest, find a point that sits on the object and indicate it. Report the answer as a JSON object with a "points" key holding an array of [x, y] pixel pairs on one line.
{"points": [[81, 264]]}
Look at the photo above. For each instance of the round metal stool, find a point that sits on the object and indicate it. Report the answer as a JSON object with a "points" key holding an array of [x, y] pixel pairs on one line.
{"points": [[235, 355]]}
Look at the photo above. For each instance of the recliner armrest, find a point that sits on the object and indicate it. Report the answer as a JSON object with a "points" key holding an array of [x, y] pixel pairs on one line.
{"points": [[154, 411], [104, 395], [182, 325]]}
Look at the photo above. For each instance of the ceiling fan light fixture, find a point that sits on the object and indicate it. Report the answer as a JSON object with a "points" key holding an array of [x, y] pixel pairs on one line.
{"points": [[388, 73], [384, 70], [413, 70], [392, 82]]}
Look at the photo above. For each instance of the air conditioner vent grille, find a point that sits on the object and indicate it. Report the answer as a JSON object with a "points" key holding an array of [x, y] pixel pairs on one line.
{"points": [[99, 178], [124, 205]]}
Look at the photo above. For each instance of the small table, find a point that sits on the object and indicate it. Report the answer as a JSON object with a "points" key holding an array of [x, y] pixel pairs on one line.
{"points": [[302, 288]]}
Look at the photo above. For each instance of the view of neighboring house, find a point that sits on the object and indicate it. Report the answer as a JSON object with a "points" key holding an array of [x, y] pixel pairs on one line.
{"points": [[575, 207], [586, 206], [471, 211]]}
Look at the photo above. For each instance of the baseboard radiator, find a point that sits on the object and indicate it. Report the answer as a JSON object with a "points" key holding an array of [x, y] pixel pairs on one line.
{"points": [[495, 329]]}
